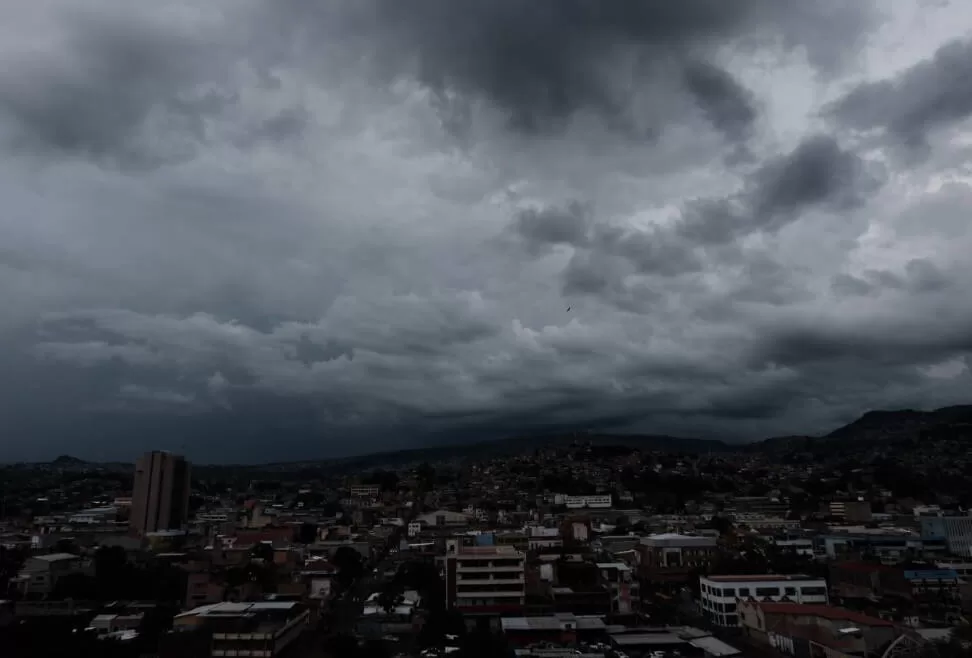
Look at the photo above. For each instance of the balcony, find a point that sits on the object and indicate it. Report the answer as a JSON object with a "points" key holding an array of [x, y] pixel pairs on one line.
{"points": [[492, 580], [463, 568], [487, 595]]}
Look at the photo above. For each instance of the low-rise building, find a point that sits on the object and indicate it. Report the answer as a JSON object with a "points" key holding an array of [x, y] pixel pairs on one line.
{"points": [[593, 502], [41, 573], [671, 557], [797, 629], [720, 595], [263, 628]]}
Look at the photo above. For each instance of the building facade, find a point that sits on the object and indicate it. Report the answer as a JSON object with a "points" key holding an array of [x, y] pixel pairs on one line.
{"points": [[588, 502], [720, 595], [670, 557], [955, 530], [160, 500], [484, 579]]}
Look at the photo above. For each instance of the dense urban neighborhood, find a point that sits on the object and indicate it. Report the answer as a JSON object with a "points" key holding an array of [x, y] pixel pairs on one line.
{"points": [[858, 544]]}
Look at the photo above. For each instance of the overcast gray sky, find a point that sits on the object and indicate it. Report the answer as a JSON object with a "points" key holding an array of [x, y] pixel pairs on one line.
{"points": [[269, 230]]}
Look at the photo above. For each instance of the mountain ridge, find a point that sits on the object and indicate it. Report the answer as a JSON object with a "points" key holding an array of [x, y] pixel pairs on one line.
{"points": [[872, 426]]}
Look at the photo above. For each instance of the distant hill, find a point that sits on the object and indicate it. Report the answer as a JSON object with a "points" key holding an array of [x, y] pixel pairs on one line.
{"points": [[522, 444], [880, 426], [67, 460], [905, 424]]}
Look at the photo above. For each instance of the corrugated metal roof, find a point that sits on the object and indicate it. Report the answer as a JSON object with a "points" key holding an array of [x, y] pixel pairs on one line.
{"points": [[714, 646]]}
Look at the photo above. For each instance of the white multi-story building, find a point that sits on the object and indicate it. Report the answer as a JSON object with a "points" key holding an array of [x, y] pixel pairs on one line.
{"points": [[364, 491], [484, 579], [721, 594], [593, 502]]}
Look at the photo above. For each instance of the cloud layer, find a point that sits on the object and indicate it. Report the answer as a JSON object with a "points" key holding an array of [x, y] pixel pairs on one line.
{"points": [[273, 230]]}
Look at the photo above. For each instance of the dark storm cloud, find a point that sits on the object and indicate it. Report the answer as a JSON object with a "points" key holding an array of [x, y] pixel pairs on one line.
{"points": [[817, 174], [728, 106], [905, 342], [929, 96], [113, 76], [553, 225], [920, 275], [543, 61]]}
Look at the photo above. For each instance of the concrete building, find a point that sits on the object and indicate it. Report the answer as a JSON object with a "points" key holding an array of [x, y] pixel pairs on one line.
{"points": [[670, 557], [757, 505], [955, 530], [263, 628], [367, 491], [809, 630], [484, 579], [891, 545], [588, 502], [160, 500], [624, 588], [40, 573], [721, 594], [852, 511], [798, 546], [442, 518]]}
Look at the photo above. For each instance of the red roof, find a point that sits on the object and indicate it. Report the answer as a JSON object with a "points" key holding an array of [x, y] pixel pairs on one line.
{"points": [[825, 611]]}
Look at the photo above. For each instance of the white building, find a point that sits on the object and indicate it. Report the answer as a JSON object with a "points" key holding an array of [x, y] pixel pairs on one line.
{"points": [[802, 547], [592, 502], [364, 491], [721, 594], [441, 518]]}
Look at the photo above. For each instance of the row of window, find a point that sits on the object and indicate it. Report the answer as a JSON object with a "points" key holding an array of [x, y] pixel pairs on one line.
{"points": [[759, 592], [718, 607], [723, 620]]}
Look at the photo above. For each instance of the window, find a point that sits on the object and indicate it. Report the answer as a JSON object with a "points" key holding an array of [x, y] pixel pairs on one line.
{"points": [[743, 592], [732, 620], [730, 607], [716, 591], [767, 591], [814, 591], [790, 591], [729, 592]]}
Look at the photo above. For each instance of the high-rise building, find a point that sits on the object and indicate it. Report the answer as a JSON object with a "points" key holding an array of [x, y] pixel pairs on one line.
{"points": [[160, 500]]}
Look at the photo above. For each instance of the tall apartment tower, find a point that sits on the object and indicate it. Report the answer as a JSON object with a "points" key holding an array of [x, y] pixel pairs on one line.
{"points": [[160, 500]]}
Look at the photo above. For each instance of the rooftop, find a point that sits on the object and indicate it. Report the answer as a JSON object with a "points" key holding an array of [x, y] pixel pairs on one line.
{"points": [[763, 578], [825, 611], [56, 557], [229, 608]]}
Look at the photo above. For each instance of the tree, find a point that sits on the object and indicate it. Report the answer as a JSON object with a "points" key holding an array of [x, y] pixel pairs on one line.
{"points": [[722, 524], [350, 565], [307, 533], [262, 551], [77, 586], [11, 560], [425, 474]]}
